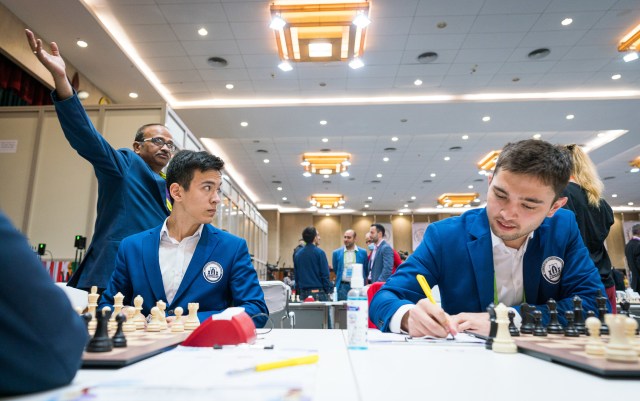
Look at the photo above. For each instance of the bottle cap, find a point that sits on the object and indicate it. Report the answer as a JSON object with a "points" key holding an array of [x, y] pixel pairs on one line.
{"points": [[357, 281]]}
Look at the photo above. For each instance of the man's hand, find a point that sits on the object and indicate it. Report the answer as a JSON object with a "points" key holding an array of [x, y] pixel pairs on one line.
{"points": [[53, 63], [428, 319], [476, 322]]}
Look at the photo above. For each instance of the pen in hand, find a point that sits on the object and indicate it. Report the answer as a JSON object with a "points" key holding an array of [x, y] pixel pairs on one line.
{"points": [[427, 291]]}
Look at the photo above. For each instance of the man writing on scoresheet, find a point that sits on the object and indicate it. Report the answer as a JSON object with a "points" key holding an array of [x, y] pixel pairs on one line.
{"points": [[522, 247], [187, 259]]}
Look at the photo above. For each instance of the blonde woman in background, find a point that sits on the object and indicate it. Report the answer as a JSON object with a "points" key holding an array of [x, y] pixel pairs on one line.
{"points": [[593, 215]]}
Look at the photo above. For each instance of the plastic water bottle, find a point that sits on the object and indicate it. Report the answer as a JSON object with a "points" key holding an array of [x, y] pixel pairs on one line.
{"points": [[334, 296], [357, 311]]}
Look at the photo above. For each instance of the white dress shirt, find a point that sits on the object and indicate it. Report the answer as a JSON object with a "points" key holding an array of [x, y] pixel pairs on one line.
{"points": [[175, 258]]}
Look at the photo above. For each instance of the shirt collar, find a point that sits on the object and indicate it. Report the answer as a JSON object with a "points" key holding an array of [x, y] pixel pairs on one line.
{"points": [[164, 231], [497, 242]]}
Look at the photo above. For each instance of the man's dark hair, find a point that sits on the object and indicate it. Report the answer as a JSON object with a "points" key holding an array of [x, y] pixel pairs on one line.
{"points": [[635, 230], [539, 159], [185, 162], [309, 234], [379, 227], [140, 133]]}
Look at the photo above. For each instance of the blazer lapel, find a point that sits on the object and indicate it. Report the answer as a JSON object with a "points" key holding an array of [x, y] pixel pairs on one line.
{"points": [[532, 263], [151, 263], [207, 244], [481, 256]]}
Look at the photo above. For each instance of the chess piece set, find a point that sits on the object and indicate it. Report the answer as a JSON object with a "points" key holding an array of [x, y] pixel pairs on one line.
{"points": [[623, 345], [131, 320]]}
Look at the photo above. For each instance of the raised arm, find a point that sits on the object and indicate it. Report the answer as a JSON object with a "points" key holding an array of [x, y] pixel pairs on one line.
{"points": [[53, 63]]}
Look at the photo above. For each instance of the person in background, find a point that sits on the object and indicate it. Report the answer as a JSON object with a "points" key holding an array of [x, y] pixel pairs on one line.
{"points": [[300, 245], [593, 214], [342, 261], [521, 247], [632, 253], [42, 336], [311, 268], [381, 257], [186, 259], [132, 194]]}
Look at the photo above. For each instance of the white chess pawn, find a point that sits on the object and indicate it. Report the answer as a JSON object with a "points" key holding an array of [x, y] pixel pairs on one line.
{"points": [[154, 324], [503, 342], [139, 318], [595, 346], [177, 326], [118, 303], [163, 315], [619, 349], [192, 321], [631, 325], [129, 325]]}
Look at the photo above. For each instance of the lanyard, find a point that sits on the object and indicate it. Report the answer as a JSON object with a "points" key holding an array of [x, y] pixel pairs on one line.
{"points": [[166, 193]]}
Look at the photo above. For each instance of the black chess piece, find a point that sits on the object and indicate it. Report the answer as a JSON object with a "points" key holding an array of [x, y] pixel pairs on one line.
{"points": [[601, 302], [513, 330], [578, 315], [539, 330], [87, 318], [493, 326], [625, 306], [119, 340], [554, 326], [100, 342], [570, 330], [526, 311]]}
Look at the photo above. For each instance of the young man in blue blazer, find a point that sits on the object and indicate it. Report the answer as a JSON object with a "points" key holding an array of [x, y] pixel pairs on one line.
{"points": [[522, 247], [186, 259], [353, 254]]}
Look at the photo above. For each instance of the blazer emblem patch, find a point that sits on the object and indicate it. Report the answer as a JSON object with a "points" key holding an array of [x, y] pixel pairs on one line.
{"points": [[552, 269], [212, 272]]}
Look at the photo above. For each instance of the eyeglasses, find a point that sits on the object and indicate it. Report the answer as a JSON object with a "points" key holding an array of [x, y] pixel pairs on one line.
{"points": [[161, 142]]}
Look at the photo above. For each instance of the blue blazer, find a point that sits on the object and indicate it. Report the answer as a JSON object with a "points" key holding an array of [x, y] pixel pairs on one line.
{"points": [[337, 261], [45, 350], [219, 276], [382, 265], [456, 254], [311, 269], [131, 196]]}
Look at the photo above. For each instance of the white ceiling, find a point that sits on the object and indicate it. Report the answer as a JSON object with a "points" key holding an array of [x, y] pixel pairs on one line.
{"points": [[482, 49]]}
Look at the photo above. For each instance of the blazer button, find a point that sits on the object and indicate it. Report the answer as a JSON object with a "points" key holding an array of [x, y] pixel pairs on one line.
{"points": [[170, 312]]}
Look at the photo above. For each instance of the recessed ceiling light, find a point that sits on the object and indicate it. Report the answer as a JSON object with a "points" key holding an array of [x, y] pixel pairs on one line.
{"points": [[284, 198], [570, 117], [244, 124], [344, 174], [385, 159], [465, 137], [537, 136], [401, 214], [356, 63], [326, 176], [427, 57], [203, 32], [634, 170], [432, 174], [447, 158], [470, 187], [325, 140], [366, 205], [279, 188], [630, 203], [82, 95], [614, 195], [370, 197], [133, 95], [277, 22], [306, 174], [413, 198], [229, 86], [364, 214], [486, 118], [323, 122], [266, 161], [217, 62], [406, 205], [394, 139], [539, 53], [379, 175], [616, 76], [82, 43], [566, 21], [417, 82], [630, 57], [285, 66]]}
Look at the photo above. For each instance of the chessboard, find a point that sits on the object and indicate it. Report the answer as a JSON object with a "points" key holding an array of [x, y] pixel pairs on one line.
{"points": [[141, 345], [570, 351]]}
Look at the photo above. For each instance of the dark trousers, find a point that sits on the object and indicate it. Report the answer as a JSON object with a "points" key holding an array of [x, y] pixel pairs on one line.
{"points": [[344, 289], [316, 293]]}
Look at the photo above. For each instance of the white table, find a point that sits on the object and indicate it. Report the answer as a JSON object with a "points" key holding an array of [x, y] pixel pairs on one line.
{"points": [[393, 371]]}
